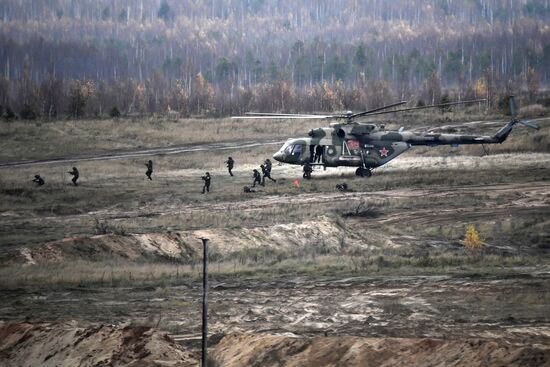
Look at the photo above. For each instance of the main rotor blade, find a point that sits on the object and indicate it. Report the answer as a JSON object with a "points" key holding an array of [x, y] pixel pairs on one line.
{"points": [[278, 114], [376, 109], [282, 116], [530, 124], [431, 106]]}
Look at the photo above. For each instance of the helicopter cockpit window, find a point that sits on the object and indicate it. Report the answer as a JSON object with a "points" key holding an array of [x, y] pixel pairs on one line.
{"points": [[287, 149], [297, 149], [292, 149]]}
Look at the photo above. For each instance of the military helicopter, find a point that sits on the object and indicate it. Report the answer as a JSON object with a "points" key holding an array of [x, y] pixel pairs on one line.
{"points": [[368, 146]]}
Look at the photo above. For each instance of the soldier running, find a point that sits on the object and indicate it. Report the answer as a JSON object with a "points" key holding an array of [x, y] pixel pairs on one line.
{"points": [[230, 163], [266, 173], [38, 180], [257, 178], [268, 165], [342, 187], [206, 178], [75, 175], [149, 165], [307, 171]]}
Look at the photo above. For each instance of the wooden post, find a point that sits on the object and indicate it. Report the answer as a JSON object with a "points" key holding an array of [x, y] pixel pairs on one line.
{"points": [[204, 300]]}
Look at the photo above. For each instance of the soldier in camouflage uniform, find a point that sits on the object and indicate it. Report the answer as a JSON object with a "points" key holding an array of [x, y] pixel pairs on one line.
{"points": [[257, 178], [307, 171], [206, 178], [149, 165], [230, 163], [266, 173], [38, 180], [75, 175]]}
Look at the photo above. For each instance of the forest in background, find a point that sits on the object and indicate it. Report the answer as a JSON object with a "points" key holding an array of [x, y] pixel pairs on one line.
{"points": [[77, 58]]}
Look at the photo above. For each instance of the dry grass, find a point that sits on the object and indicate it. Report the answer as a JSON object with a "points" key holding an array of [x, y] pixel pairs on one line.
{"points": [[37, 140], [87, 274], [117, 191]]}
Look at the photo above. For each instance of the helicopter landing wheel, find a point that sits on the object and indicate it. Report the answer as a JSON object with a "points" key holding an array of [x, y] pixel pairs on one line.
{"points": [[363, 172]]}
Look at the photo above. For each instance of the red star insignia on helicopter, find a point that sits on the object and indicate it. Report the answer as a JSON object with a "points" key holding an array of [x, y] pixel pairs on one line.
{"points": [[384, 152]]}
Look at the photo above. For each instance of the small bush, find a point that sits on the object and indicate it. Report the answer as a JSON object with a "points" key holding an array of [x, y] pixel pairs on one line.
{"points": [[101, 227], [10, 115], [28, 112], [472, 241], [114, 113]]}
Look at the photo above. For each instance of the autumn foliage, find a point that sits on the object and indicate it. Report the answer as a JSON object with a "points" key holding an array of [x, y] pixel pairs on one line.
{"points": [[220, 57], [472, 241]]}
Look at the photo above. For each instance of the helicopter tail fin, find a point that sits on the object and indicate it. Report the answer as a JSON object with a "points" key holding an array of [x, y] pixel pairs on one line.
{"points": [[503, 133]]}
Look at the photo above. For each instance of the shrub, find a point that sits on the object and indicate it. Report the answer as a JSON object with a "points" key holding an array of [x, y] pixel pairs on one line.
{"points": [[472, 241], [10, 115], [114, 113], [28, 112]]}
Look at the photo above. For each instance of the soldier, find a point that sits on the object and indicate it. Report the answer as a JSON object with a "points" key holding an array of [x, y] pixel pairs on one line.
{"points": [[307, 171], [206, 178], [149, 165], [268, 165], [266, 173], [342, 187], [257, 178], [248, 190], [230, 163], [318, 153], [75, 175], [38, 180]]}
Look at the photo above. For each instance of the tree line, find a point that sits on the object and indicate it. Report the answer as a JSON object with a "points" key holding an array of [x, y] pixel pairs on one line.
{"points": [[219, 57]]}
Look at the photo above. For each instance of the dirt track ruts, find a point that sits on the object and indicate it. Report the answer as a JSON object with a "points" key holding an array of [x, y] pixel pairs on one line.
{"points": [[188, 148], [537, 199]]}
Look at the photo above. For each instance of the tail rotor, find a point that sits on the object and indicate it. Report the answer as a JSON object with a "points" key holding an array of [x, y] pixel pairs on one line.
{"points": [[514, 113]]}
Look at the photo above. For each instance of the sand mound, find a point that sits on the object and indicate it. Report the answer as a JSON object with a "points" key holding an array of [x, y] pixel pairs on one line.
{"points": [[268, 350], [323, 234], [102, 247], [104, 345]]}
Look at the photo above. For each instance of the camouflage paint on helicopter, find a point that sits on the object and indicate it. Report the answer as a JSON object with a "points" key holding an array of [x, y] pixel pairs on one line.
{"points": [[369, 146]]}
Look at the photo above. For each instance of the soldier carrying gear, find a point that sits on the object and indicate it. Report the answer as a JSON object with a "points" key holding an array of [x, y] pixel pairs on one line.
{"points": [[307, 171], [230, 163], [38, 180], [266, 173], [268, 165], [342, 187], [206, 178], [257, 178], [75, 175], [247, 189], [149, 165]]}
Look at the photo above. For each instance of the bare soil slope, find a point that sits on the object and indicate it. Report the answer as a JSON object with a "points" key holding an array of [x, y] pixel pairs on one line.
{"points": [[104, 345], [269, 350], [179, 246]]}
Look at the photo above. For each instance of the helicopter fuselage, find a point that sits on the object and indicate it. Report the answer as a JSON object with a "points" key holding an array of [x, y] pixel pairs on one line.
{"points": [[368, 145]]}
